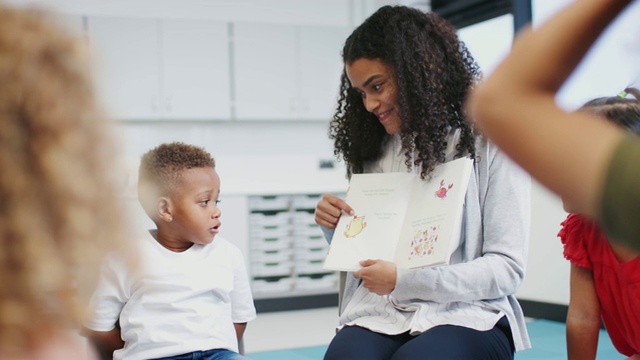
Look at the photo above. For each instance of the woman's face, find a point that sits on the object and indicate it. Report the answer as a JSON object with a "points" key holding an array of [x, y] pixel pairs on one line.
{"points": [[374, 80]]}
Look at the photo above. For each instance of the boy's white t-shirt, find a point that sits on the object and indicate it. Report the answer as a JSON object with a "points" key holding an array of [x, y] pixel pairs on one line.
{"points": [[175, 303]]}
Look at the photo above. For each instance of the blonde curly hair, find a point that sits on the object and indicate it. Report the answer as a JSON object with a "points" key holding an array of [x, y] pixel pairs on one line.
{"points": [[58, 213]]}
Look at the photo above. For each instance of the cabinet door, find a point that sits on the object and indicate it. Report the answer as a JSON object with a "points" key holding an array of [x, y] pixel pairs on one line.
{"points": [[320, 67], [127, 52], [265, 72], [195, 70]]}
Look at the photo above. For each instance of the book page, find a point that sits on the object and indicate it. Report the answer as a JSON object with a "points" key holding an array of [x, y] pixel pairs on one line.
{"points": [[380, 202], [432, 226]]}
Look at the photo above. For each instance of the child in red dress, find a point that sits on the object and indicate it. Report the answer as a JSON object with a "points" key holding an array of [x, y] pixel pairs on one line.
{"points": [[605, 277]]}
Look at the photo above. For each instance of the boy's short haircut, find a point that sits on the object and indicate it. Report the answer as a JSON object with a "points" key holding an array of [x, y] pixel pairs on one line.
{"points": [[161, 168]]}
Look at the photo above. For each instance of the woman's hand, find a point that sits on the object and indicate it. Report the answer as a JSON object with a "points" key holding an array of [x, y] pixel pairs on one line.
{"points": [[378, 276], [329, 209]]}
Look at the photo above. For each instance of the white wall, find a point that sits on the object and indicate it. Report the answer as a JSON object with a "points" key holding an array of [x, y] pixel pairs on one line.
{"points": [[612, 64], [489, 41]]}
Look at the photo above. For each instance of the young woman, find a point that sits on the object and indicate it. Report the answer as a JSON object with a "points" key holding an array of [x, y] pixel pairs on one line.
{"points": [[405, 78]]}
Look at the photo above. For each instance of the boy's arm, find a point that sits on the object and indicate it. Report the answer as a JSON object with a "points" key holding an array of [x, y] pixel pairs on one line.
{"points": [[105, 342], [240, 327], [583, 318]]}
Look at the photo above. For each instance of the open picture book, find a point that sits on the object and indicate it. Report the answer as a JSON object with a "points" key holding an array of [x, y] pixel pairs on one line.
{"points": [[401, 218]]}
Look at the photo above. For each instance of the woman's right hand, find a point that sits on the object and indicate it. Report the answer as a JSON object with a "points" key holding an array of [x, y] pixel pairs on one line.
{"points": [[329, 209]]}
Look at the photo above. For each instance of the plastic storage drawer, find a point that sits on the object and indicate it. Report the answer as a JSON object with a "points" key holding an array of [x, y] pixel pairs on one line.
{"points": [[265, 269], [269, 203]]}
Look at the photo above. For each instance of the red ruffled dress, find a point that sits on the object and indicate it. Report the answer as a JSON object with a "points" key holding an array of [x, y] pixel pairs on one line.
{"points": [[617, 284]]}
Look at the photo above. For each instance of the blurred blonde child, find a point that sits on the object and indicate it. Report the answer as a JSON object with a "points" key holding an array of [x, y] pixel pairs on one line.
{"points": [[58, 216]]}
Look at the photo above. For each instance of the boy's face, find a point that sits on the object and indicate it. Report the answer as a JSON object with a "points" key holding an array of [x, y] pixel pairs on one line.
{"points": [[196, 217]]}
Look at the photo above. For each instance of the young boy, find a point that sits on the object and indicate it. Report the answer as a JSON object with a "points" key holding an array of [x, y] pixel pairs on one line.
{"points": [[191, 295]]}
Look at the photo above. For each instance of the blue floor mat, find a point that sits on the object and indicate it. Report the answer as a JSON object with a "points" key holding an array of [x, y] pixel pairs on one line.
{"points": [[548, 342], [308, 353]]}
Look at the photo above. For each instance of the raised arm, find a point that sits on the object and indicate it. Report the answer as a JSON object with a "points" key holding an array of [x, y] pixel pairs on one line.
{"points": [[515, 106]]}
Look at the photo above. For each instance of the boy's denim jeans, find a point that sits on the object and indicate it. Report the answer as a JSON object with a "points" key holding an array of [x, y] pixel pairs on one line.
{"points": [[215, 354]]}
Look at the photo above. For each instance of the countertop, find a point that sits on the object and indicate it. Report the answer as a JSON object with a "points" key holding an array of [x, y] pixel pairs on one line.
{"points": [[266, 175]]}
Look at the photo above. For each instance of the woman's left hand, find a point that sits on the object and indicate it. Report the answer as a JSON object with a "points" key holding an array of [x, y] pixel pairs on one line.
{"points": [[378, 276]]}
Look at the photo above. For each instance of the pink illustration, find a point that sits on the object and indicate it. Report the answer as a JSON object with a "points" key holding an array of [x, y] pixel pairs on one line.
{"points": [[442, 192]]}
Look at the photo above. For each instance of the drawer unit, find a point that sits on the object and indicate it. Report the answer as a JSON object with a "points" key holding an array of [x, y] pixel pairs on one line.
{"points": [[277, 285], [328, 282], [270, 232], [311, 241], [270, 203], [304, 218], [271, 255], [286, 247], [305, 230], [270, 219], [311, 253], [275, 268], [305, 267], [306, 201], [270, 243]]}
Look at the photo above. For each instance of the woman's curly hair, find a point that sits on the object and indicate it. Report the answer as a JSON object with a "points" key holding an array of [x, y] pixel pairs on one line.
{"points": [[58, 181], [434, 73]]}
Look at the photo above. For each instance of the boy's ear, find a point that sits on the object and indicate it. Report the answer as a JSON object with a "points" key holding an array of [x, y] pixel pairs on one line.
{"points": [[164, 209]]}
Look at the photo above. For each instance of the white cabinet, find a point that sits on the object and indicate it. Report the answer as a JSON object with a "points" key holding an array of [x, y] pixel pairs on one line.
{"points": [[195, 56], [264, 71], [286, 72], [129, 68], [287, 248], [163, 69], [320, 68]]}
